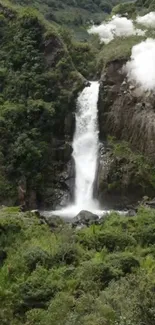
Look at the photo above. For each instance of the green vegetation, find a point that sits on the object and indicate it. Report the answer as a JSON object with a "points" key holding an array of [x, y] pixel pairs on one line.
{"points": [[103, 274], [128, 8], [99, 275], [83, 54], [132, 172], [148, 5], [38, 84], [119, 48], [71, 12]]}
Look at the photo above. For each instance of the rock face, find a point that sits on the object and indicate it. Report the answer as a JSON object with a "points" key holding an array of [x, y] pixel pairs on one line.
{"points": [[85, 218], [126, 112], [151, 203], [59, 179], [114, 185]]}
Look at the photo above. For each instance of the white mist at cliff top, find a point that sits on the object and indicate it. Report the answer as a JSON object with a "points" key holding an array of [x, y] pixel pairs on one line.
{"points": [[141, 67], [148, 20], [85, 146], [116, 27]]}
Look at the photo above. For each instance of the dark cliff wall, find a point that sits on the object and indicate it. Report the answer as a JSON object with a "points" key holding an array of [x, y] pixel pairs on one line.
{"points": [[125, 111]]}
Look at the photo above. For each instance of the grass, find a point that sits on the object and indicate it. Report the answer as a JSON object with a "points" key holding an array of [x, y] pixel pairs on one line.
{"points": [[119, 48]]}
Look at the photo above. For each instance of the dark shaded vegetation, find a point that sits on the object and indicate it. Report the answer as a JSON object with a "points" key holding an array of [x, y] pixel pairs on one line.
{"points": [[149, 5], [38, 85], [125, 8], [103, 274], [71, 12], [134, 170]]}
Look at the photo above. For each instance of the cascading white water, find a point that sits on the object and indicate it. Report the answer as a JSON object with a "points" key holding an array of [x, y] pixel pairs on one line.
{"points": [[85, 153], [85, 146]]}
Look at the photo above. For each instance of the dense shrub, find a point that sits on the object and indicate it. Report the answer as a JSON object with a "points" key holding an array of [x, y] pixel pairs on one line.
{"points": [[76, 277], [36, 93]]}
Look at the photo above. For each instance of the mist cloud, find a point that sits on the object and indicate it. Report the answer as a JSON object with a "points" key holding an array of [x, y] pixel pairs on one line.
{"points": [[118, 26], [147, 20], [141, 68]]}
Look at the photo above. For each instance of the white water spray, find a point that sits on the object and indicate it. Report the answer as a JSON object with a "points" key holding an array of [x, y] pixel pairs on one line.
{"points": [[85, 147], [85, 153]]}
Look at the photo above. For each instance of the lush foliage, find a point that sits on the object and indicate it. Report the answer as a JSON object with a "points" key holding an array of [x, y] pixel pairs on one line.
{"points": [[71, 12], [101, 275], [119, 48], [125, 8], [38, 83], [130, 171], [148, 5]]}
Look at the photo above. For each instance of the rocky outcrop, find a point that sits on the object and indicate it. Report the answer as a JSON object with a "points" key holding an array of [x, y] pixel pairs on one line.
{"points": [[125, 111], [118, 184], [52, 49], [85, 218], [59, 179]]}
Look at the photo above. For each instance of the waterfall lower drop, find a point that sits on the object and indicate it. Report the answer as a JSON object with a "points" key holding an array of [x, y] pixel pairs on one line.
{"points": [[85, 152]]}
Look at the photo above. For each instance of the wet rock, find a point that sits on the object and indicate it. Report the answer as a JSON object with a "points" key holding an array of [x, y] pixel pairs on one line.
{"points": [[117, 185], [103, 218], [36, 213], [87, 83], [53, 221], [131, 87], [151, 203], [85, 218], [131, 213]]}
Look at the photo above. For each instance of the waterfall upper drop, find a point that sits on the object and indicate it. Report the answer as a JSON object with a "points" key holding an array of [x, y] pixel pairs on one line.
{"points": [[85, 146]]}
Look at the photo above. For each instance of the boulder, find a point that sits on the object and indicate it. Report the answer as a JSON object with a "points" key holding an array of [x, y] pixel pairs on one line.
{"points": [[85, 218], [36, 213], [53, 221], [131, 213], [151, 203]]}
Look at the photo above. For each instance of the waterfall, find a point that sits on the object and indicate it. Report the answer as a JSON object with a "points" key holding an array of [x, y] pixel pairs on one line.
{"points": [[85, 152], [85, 146]]}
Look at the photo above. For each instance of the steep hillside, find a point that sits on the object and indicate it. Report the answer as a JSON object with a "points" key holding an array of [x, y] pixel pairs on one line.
{"points": [[38, 85], [71, 12]]}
